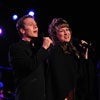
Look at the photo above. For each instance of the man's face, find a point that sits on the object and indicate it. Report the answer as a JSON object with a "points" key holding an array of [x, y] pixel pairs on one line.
{"points": [[30, 27]]}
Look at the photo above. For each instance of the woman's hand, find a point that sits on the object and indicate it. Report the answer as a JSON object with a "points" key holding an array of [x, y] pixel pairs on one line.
{"points": [[86, 49]]}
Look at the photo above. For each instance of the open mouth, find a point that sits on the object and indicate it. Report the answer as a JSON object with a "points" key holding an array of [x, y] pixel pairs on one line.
{"points": [[35, 31], [66, 37]]}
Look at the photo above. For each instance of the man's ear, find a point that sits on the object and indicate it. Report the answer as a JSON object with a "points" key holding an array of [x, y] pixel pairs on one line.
{"points": [[22, 31]]}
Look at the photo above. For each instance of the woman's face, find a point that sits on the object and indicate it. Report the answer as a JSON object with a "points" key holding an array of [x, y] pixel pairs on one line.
{"points": [[63, 34]]}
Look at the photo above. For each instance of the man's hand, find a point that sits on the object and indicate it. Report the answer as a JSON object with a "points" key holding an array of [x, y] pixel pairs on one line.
{"points": [[46, 42]]}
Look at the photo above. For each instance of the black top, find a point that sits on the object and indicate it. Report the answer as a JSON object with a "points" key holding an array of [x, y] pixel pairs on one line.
{"points": [[27, 62], [66, 72]]}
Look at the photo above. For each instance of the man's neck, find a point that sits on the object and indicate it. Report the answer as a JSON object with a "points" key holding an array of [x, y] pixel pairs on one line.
{"points": [[27, 39]]}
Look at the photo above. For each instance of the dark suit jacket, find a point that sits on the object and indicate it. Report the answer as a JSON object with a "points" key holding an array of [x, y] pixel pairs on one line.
{"points": [[65, 73], [27, 63]]}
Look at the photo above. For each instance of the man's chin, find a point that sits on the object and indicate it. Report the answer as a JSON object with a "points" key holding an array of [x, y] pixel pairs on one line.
{"points": [[33, 36]]}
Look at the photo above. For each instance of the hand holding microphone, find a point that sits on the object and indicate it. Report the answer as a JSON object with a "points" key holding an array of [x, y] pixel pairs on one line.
{"points": [[83, 46], [46, 42], [81, 43]]}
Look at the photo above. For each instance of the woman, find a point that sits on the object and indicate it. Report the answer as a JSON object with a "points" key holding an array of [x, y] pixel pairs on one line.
{"points": [[67, 74]]}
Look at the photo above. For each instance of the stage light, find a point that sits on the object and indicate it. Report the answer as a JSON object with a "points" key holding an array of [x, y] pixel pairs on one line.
{"points": [[1, 32], [1, 84], [15, 17], [7, 68], [31, 13]]}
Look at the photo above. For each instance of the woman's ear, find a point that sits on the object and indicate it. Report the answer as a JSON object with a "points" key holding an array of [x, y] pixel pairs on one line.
{"points": [[22, 31]]}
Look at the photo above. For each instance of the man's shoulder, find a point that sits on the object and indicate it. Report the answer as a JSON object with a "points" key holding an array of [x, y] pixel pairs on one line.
{"points": [[16, 44]]}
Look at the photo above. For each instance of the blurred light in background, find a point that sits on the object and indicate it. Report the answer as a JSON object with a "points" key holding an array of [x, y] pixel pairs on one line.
{"points": [[1, 84], [31, 13], [1, 31], [15, 17]]}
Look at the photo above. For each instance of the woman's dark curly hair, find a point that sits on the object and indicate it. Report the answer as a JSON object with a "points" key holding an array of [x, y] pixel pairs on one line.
{"points": [[55, 25]]}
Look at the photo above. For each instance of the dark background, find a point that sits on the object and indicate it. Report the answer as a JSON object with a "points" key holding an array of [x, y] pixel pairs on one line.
{"points": [[82, 16]]}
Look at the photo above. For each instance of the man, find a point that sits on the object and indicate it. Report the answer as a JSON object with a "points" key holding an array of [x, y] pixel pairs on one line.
{"points": [[27, 60]]}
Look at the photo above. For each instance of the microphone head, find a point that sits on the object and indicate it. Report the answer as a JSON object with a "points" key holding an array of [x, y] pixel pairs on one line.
{"points": [[44, 35]]}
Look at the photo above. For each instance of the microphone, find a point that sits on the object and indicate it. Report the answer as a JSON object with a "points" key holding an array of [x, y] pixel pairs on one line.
{"points": [[78, 41], [43, 35], [86, 45]]}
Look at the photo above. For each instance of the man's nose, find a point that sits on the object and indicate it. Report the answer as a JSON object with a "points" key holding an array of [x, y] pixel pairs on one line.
{"points": [[35, 26]]}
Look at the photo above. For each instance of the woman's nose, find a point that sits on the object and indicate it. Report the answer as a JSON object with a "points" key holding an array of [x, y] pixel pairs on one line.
{"points": [[65, 33]]}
